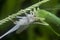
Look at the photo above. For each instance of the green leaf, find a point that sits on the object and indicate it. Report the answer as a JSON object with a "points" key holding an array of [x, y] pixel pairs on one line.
{"points": [[51, 19]]}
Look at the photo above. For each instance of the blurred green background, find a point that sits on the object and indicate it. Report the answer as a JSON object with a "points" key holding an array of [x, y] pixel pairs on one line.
{"points": [[34, 32]]}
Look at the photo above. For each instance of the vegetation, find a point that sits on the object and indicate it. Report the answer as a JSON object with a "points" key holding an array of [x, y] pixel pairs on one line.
{"points": [[49, 10]]}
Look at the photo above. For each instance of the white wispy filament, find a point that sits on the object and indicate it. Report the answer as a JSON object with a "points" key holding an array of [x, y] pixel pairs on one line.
{"points": [[24, 21]]}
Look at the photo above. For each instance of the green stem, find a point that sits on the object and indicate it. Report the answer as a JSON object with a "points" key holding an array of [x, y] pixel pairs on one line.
{"points": [[10, 17]]}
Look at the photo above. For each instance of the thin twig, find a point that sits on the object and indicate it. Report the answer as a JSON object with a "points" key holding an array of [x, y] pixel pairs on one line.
{"points": [[10, 17]]}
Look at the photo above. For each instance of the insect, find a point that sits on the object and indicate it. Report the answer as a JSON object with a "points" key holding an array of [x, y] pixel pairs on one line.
{"points": [[25, 20]]}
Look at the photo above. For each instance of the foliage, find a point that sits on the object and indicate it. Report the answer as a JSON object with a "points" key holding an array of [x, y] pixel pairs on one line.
{"points": [[47, 10]]}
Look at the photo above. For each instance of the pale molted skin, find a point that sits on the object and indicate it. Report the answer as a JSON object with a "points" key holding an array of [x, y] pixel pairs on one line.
{"points": [[23, 21]]}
